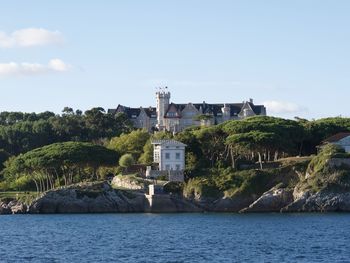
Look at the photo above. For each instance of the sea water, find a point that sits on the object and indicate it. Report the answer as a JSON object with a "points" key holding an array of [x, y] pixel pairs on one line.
{"points": [[175, 238]]}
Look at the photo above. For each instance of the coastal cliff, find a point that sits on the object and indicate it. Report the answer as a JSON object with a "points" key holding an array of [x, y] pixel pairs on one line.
{"points": [[317, 184]]}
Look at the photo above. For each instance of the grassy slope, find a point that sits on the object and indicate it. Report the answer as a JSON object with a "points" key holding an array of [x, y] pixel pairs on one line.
{"points": [[322, 176], [229, 183], [25, 197]]}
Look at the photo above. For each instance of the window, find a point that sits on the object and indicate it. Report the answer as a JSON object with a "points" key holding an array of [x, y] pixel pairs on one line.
{"points": [[177, 156], [178, 167], [156, 156], [167, 167], [171, 114], [167, 155]]}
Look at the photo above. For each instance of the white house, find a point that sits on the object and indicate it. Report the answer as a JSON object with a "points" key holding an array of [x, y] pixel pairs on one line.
{"points": [[170, 155], [342, 139]]}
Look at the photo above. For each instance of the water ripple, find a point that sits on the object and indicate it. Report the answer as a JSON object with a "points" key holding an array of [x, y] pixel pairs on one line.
{"points": [[175, 238]]}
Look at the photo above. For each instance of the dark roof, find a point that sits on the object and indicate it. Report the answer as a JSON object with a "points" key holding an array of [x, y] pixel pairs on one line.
{"points": [[132, 112], [207, 108], [151, 111], [337, 137], [214, 109]]}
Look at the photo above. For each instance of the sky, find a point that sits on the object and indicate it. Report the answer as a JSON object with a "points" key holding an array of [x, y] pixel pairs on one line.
{"points": [[291, 56]]}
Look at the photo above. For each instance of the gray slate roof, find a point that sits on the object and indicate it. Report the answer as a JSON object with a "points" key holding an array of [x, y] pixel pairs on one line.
{"points": [[168, 143]]}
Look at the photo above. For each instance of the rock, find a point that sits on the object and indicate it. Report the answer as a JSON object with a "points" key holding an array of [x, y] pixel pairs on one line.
{"points": [[169, 204], [4, 209], [90, 198], [18, 208], [323, 201], [296, 206], [271, 201], [128, 182], [234, 204]]}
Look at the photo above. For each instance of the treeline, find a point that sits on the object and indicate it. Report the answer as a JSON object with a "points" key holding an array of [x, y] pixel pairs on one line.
{"points": [[22, 132], [256, 139], [234, 143], [210, 150], [55, 165]]}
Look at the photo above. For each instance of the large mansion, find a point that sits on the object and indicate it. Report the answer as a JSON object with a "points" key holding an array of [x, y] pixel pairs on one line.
{"points": [[175, 117]]}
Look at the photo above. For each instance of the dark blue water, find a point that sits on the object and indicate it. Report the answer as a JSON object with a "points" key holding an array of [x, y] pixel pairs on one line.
{"points": [[175, 238]]}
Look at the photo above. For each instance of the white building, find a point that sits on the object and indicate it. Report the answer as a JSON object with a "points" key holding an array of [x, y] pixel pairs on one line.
{"points": [[176, 117], [169, 154], [170, 157]]}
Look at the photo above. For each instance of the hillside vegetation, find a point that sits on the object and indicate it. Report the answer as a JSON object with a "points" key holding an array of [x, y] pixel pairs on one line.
{"points": [[329, 170], [44, 151]]}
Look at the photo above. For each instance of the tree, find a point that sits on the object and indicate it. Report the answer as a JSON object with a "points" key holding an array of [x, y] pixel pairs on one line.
{"points": [[254, 141], [68, 110], [132, 143], [126, 161], [58, 163], [291, 134], [4, 156]]}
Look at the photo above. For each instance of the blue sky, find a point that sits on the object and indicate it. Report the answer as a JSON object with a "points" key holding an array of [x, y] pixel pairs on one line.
{"points": [[291, 55]]}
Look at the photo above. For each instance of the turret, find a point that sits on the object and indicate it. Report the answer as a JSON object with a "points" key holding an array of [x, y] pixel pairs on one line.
{"points": [[226, 112], [163, 99]]}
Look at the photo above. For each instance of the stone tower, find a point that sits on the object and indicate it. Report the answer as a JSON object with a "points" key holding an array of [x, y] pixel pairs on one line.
{"points": [[163, 99]]}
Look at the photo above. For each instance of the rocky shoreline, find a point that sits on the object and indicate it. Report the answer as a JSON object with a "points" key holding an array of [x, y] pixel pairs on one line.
{"points": [[102, 198]]}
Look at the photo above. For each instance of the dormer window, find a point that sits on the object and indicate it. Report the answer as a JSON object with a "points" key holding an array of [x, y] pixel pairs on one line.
{"points": [[133, 116]]}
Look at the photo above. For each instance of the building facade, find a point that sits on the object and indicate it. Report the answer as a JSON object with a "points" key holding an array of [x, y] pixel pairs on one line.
{"points": [[169, 154], [170, 157], [176, 117]]}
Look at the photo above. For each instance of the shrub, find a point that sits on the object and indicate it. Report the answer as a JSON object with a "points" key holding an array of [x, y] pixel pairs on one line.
{"points": [[126, 160], [173, 187]]}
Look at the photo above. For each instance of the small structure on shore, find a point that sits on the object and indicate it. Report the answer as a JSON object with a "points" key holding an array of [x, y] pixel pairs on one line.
{"points": [[341, 139], [170, 157]]}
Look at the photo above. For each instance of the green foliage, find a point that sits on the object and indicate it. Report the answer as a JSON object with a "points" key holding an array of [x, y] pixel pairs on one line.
{"points": [[126, 160], [24, 197], [4, 156], [132, 143], [203, 117], [201, 187], [22, 132], [173, 187], [323, 175], [319, 162], [283, 135], [60, 162], [228, 182]]}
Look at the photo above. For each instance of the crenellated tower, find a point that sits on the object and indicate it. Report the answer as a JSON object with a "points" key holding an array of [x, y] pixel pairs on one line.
{"points": [[163, 100]]}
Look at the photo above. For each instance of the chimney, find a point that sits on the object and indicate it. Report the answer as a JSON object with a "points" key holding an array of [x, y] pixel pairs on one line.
{"points": [[251, 101]]}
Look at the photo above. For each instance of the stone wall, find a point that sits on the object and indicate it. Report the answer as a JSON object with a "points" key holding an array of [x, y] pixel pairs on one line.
{"points": [[173, 176]]}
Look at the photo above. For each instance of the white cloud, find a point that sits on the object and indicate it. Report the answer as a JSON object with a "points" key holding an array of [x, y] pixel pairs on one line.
{"points": [[13, 68], [58, 65], [279, 107], [30, 37]]}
